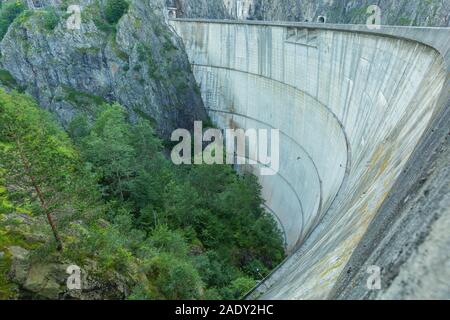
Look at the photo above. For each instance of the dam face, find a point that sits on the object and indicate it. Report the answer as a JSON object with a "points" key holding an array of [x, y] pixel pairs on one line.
{"points": [[351, 106]]}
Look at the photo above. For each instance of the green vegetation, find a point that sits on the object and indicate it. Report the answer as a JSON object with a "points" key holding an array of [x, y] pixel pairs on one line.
{"points": [[120, 54], [104, 26], [358, 15], [146, 56], [173, 232], [7, 79], [95, 12], [405, 21], [8, 12], [50, 19], [168, 45], [8, 238], [41, 157], [7, 289], [44, 20], [115, 9], [86, 102]]}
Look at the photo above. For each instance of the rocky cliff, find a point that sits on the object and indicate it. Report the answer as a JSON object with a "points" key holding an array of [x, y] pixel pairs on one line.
{"points": [[137, 62], [200, 8], [393, 12], [28, 270]]}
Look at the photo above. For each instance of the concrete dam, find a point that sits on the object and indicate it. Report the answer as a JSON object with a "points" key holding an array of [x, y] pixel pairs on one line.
{"points": [[354, 107]]}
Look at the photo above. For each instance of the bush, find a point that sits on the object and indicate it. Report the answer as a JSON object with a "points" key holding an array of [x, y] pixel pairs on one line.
{"points": [[238, 288], [115, 9], [51, 20], [7, 79], [200, 254], [8, 12]]}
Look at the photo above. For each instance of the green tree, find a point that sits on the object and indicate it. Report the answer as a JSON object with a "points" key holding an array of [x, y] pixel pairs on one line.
{"points": [[8, 12], [174, 278], [51, 19], [152, 171], [37, 158], [108, 148], [115, 9], [194, 229], [238, 288], [169, 241]]}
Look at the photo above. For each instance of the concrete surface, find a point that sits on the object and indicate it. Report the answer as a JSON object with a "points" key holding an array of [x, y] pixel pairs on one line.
{"points": [[351, 104], [409, 237]]}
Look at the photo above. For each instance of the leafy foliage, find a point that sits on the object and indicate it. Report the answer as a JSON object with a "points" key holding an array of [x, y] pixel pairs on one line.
{"points": [[115, 9], [7, 79], [51, 19], [173, 232], [38, 159], [8, 12], [222, 228]]}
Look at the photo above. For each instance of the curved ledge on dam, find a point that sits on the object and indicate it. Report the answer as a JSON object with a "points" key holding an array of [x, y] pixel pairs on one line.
{"points": [[339, 94]]}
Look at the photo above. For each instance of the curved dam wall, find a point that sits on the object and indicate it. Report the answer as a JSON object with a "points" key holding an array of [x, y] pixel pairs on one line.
{"points": [[351, 106]]}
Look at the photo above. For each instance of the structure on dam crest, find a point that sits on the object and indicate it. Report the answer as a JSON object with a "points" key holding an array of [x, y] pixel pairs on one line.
{"points": [[352, 105]]}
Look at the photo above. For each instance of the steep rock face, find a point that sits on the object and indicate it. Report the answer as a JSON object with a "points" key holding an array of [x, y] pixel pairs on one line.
{"points": [[200, 8], [393, 12], [48, 280], [28, 270], [139, 63]]}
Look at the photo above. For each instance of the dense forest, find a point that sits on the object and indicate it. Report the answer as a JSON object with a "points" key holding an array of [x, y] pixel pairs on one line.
{"points": [[98, 189], [112, 196]]}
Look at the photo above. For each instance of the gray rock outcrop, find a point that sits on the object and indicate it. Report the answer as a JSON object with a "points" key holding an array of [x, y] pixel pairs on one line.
{"points": [[434, 13], [139, 63], [48, 280]]}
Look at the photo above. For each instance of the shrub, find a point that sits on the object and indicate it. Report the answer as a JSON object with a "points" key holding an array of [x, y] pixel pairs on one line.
{"points": [[8, 12], [115, 9], [7, 79], [51, 20]]}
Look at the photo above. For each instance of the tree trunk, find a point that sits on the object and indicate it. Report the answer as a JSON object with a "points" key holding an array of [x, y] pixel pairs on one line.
{"points": [[41, 197]]}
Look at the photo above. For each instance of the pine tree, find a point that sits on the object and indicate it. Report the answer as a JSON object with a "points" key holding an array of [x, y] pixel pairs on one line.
{"points": [[37, 160], [108, 148]]}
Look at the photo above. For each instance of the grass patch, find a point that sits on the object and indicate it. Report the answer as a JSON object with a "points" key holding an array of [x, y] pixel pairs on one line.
{"points": [[50, 19], [8, 12], [122, 55], [8, 290], [85, 101], [7, 79], [404, 21], [115, 9], [104, 26]]}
